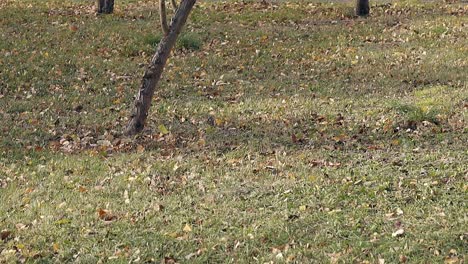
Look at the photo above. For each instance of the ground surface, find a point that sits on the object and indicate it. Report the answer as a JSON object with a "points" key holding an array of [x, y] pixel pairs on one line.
{"points": [[291, 132]]}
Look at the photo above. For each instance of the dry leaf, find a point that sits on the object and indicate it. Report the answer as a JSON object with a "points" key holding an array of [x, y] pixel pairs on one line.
{"points": [[399, 211], [187, 228], [140, 149], [20, 226], [169, 260], [451, 260], [5, 234], [55, 246], [106, 215], [398, 233]]}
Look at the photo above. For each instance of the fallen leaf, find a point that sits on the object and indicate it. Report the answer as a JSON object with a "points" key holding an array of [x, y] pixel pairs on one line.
{"points": [[169, 260], [104, 143], [173, 234], [162, 128], [5, 234], [187, 228], [219, 121], [106, 215], [55, 246], [140, 149], [398, 233], [63, 221], [279, 256], [312, 178], [20, 226], [451, 260]]}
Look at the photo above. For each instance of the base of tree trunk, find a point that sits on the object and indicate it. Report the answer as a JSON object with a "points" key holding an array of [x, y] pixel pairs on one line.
{"points": [[105, 6], [362, 7], [155, 69]]}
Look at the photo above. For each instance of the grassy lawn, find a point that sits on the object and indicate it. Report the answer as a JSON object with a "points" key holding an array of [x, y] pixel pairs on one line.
{"points": [[287, 132]]}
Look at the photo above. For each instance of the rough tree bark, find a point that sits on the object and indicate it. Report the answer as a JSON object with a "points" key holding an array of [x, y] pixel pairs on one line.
{"points": [[155, 68], [105, 6], [362, 7]]}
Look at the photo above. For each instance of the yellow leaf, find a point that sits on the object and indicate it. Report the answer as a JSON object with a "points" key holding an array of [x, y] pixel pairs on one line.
{"points": [[20, 246], [187, 228], [201, 142], [302, 208], [163, 129], [63, 221], [173, 234], [451, 260], [55, 246], [219, 121]]}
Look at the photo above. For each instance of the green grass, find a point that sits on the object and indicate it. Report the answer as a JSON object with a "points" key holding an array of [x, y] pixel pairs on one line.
{"points": [[295, 133]]}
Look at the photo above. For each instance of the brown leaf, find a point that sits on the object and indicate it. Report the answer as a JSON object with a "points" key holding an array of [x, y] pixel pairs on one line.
{"points": [[106, 215], [38, 148], [169, 260], [140, 149], [294, 138], [78, 108], [5, 235]]}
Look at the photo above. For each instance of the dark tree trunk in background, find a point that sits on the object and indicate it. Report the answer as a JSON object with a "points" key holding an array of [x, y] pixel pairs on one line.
{"points": [[155, 68], [105, 6], [362, 7]]}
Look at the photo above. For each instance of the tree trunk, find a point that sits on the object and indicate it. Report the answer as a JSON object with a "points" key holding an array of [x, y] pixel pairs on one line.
{"points": [[362, 7], [155, 68], [105, 6]]}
